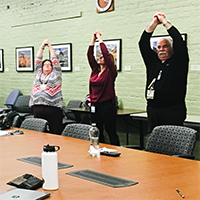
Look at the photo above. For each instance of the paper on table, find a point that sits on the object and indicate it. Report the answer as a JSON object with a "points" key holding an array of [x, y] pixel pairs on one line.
{"points": [[12, 132], [106, 149], [2, 133]]}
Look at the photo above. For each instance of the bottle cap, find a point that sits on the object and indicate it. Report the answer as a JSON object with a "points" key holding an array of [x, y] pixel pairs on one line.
{"points": [[50, 148]]}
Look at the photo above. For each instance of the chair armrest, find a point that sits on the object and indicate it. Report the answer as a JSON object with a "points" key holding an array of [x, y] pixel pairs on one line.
{"points": [[185, 156], [133, 147], [5, 109]]}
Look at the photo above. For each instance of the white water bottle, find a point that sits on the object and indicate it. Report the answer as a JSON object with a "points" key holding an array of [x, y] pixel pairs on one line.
{"points": [[94, 140], [50, 167]]}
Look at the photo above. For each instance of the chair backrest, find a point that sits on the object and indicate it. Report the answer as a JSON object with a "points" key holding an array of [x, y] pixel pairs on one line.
{"points": [[35, 124], [22, 104], [172, 140], [12, 98], [77, 130], [72, 104], [16, 121]]}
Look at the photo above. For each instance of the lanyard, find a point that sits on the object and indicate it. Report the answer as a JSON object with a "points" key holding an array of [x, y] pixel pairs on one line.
{"points": [[151, 85], [44, 79]]}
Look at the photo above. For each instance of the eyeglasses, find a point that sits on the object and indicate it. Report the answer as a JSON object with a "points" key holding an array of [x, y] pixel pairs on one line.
{"points": [[47, 64], [165, 46]]}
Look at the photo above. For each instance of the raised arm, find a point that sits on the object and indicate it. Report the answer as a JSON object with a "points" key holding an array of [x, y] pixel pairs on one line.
{"points": [[108, 59], [40, 51], [94, 37], [90, 55], [52, 52]]}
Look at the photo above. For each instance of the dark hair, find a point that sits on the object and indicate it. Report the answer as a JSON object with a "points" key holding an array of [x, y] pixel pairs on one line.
{"points": [[112, 57], [45, 61]]}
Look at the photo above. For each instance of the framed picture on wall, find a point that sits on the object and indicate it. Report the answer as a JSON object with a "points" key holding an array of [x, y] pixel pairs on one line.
{"points": [[24, 59], [114, 48], [1, 61], [64, 55], [154, 40]]}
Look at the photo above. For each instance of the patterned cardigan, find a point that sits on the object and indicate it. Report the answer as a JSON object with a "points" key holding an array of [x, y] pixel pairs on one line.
{"points": [[52, 94]]}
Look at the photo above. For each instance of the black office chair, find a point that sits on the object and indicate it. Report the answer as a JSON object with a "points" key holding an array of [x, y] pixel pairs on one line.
{"points": [[11, 100], [22, 108], [69, 116], [77, 130], [35, 124], [172, 140], [22, 105]]}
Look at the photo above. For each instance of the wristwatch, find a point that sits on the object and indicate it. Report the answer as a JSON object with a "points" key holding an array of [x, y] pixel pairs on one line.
{"points": [[164, 24], [103, 5]]}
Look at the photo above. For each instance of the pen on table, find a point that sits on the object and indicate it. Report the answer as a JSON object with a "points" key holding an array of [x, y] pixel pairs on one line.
{"points": [[180, 193]]}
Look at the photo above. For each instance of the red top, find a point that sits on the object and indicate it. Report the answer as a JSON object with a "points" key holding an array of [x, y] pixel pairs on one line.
{"points": [[102, 87]]}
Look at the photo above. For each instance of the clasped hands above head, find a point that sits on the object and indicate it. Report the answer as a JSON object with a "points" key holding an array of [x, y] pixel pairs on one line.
{"points": [[159, 17], [45, 43], [97, 34]]}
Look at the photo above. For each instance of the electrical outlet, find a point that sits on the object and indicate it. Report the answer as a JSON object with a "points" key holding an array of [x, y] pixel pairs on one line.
{"points": [[127, 68]]}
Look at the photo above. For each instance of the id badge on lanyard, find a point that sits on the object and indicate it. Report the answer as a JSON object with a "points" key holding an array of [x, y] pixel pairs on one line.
{"points": [[150, 94], [43, 86], [151, 90], [44, 79], [92, 109]]}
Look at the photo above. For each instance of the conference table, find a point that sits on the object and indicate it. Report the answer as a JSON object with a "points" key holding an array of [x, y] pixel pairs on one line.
{"points": [[157, 175], [120, 112]]}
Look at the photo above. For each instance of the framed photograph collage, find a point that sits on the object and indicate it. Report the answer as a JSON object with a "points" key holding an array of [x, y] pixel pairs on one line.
{"points": [[25, 55]]}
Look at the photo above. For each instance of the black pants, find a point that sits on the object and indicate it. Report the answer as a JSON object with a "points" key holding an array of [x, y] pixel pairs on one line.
{"points": [[105, 116], [174, 115], [52, 114]]}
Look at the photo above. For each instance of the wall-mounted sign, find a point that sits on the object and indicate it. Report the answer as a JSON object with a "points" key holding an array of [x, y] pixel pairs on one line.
{"points": [[104, 5]]}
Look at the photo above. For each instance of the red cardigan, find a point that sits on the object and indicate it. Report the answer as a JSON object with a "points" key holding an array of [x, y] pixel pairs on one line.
{"points": [[102, 88]]}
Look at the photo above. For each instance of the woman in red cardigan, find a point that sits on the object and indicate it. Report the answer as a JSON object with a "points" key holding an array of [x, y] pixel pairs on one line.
{"points": [[102, 90]]}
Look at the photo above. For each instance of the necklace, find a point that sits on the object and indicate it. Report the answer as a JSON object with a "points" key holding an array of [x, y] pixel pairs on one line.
{"points": [[43, 80]]}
